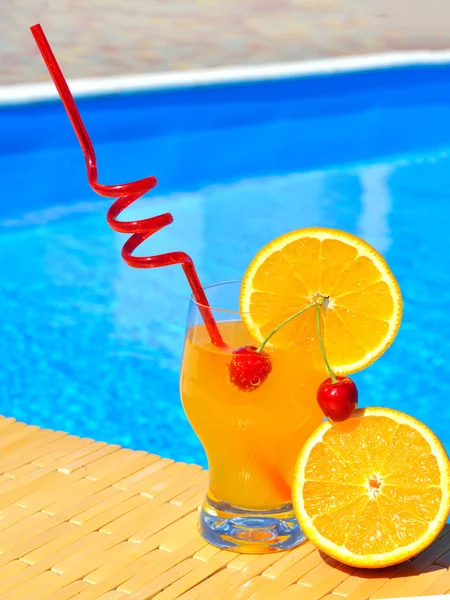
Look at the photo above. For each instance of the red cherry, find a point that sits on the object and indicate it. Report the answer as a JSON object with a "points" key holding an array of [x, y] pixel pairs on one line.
{"points": [[338, 400], [248, 369]]}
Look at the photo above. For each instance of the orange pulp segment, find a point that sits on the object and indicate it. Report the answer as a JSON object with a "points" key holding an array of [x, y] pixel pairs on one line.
{"points": [[363, 307], [374, 490]]}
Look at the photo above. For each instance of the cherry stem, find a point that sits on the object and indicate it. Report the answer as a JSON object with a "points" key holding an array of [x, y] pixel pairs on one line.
{"points": [[261, 346], [322, 347], [319, 301]]}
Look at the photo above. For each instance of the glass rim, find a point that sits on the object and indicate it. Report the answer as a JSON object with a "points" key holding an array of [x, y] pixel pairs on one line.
{"points": [[213, 308]]}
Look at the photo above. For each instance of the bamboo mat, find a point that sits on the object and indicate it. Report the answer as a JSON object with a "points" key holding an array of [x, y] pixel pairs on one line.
{"points": [[88, 520]]}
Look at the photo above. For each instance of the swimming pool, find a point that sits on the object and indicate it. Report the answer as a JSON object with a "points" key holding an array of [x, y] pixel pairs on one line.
{"points": [[93, 347]]}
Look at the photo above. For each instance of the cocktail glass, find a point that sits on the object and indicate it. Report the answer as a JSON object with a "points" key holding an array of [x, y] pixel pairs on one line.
{"points": [[251, 439]]}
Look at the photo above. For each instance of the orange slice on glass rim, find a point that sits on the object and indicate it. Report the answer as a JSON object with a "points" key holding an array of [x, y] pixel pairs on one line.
{"points": [[374, 490], [363, 306]]}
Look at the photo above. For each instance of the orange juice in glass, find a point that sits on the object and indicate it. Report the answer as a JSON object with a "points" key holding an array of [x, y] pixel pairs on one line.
{"points": [[314, 305], [251, 439]]}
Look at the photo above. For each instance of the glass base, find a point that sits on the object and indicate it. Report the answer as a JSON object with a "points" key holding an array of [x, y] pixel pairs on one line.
{"points": [[249, 531]]}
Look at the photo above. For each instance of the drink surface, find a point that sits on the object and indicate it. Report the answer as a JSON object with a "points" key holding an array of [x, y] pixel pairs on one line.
{"points": [[252, 439]]}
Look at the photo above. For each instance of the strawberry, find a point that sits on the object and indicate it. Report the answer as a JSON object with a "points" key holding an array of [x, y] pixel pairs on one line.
{"points": [[248, 368]]}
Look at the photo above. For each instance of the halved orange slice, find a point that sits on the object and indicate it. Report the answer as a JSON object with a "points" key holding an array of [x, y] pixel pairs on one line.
{"points": [[374, 490], [363, 310]]}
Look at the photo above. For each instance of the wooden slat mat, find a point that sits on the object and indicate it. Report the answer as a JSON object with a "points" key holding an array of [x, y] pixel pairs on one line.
{"points": [[88, 520]]}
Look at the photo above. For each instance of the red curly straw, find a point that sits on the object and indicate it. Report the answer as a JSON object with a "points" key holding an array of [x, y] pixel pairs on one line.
{"points": [[127, 194]]}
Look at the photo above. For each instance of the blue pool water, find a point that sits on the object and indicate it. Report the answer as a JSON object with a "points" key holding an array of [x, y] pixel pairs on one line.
{"points": [[91, 346]]}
